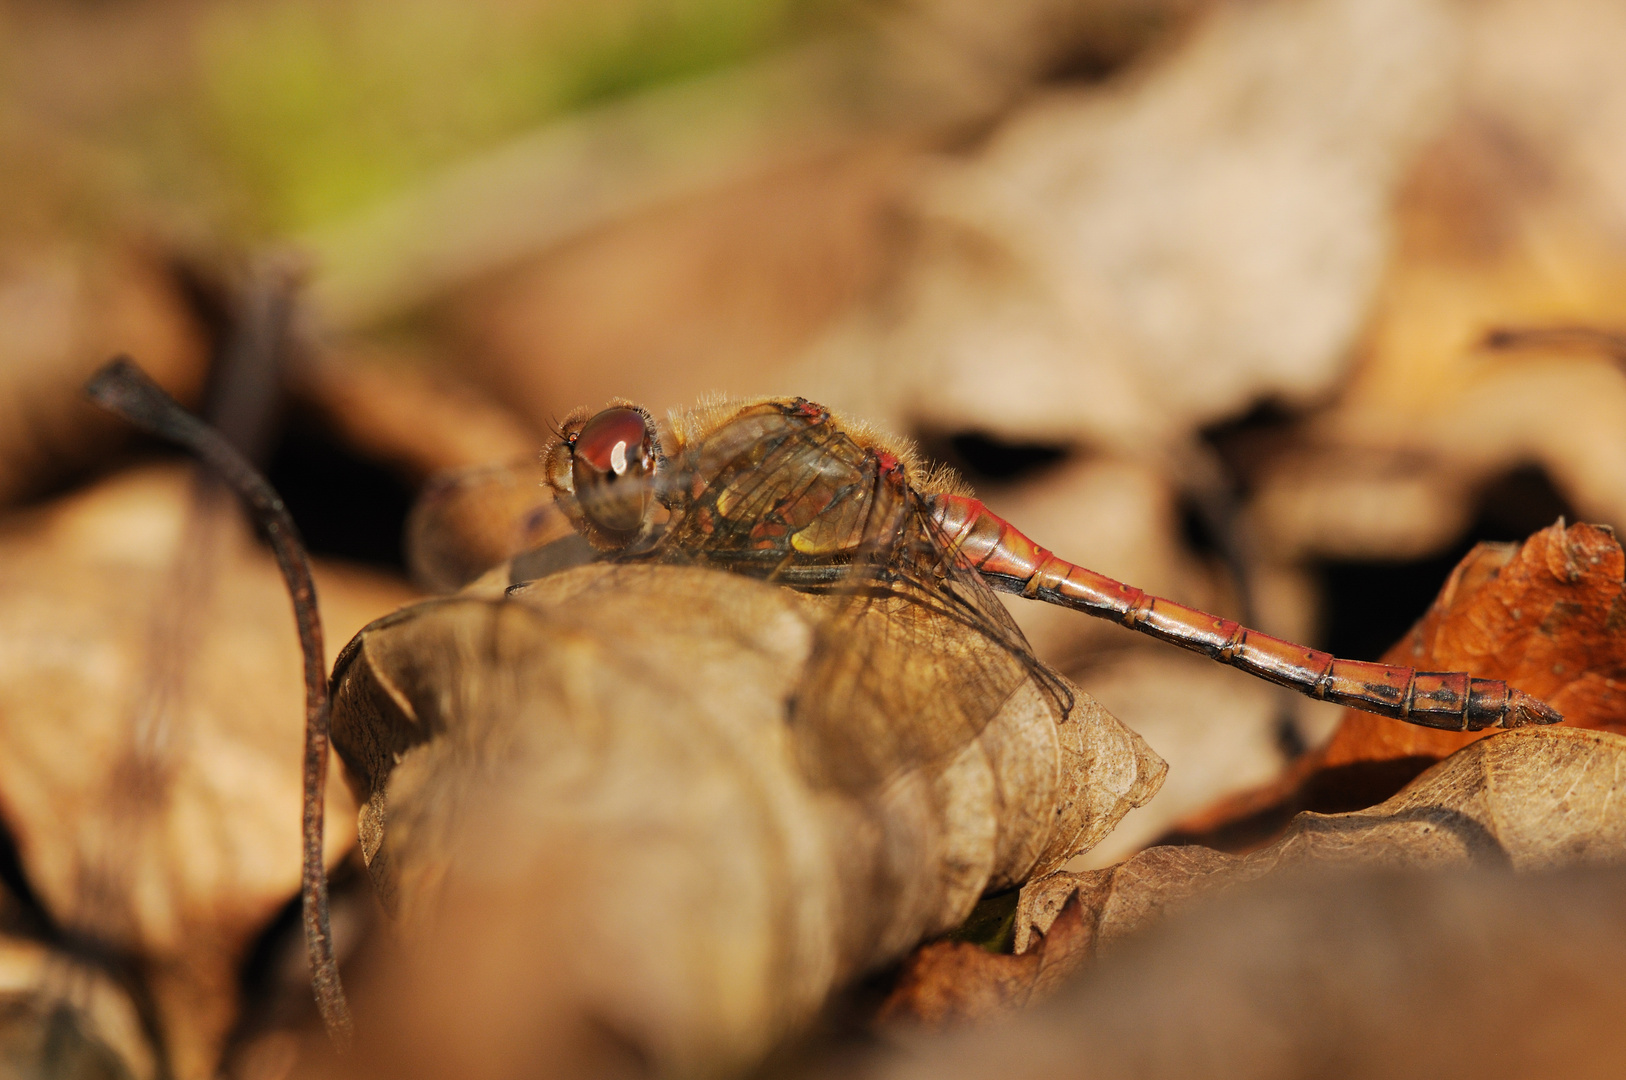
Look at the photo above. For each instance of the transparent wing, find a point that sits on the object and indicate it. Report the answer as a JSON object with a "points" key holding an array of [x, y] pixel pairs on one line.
{"points": [[914, 660], [766, 476]]}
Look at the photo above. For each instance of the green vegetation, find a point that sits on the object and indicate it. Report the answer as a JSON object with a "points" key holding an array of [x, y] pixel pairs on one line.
{"points": [[311, 110]]}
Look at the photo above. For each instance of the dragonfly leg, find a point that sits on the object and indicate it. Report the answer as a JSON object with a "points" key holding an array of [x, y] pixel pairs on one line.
{"points": [[1013, 563]]}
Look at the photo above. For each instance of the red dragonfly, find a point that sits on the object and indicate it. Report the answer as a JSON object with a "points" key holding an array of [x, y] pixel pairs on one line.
{"points": [[782, 490], [917, 654]]}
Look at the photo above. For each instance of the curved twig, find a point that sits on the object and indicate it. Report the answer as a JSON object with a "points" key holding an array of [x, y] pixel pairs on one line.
{"points": [[123, 388]]}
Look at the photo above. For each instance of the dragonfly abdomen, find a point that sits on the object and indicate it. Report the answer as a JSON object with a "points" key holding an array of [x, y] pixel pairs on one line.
{"points": [[1011, 562]]}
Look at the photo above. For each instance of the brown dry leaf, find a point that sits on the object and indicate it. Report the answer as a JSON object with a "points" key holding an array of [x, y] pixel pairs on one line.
{"points": [[1513, 217], [1364, 975], [1119, 265], [62, 1018], [1531, 800], [590, 790], [150, 731], [953, 982], [64, 1015], [468, 521], [718, 290], [1545, 616], [65, 313], [397, 410]]}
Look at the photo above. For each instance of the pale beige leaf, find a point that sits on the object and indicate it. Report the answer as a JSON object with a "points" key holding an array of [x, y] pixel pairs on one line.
{"points": [[151, 717], [1533, 799], [1366, 975], [622, 729]]}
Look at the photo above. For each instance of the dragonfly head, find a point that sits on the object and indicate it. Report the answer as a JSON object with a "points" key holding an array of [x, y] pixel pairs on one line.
{"points": [[602, 471]]}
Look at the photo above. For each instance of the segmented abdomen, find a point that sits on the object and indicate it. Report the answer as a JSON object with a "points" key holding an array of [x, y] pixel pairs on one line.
{"points": [[1011, 562]]}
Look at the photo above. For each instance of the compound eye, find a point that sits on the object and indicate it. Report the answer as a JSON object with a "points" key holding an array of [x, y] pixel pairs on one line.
{"points": [[612, 468]]}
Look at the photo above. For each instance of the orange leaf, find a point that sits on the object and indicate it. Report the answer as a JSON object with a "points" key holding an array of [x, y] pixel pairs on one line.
{"points": [[1546, 616], [949, 982]]}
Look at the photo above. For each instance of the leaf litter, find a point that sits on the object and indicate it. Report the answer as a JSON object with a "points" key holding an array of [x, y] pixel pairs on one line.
{"points": [[1351, 972], [146, 638], [1491, 295], [1541, 614], [1544, 615]]}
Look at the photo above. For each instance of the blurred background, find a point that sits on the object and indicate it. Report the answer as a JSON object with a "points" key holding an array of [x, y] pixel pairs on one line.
{"points": [[1271, 306]]}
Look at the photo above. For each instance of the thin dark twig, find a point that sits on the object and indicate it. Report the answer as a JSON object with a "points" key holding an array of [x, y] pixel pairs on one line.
{"points": [[1575, 338], [125, 389]]}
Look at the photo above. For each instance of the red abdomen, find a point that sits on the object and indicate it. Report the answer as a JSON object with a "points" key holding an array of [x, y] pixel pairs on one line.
{"points": [[1011, 562]]}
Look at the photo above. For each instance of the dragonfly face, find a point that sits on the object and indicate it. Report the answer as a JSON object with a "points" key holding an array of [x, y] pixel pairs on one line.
{"points": [[608, 464]]}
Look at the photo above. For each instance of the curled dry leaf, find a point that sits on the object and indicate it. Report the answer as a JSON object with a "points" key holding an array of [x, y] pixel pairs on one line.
{"points": [[1545, 616], [591, 790], [1368, 974], [150, 726], [1535, 799], [1529, 800]]}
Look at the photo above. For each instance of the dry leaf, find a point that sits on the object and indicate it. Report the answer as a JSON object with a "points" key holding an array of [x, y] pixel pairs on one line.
{"points": [[1543, 616], [64, 1015], [717, 290], [952, 982], [623, 728], [467, 521], [64, 314], [150, 731], [1535, 799], [1511, 219], [1531, 800], [63, 1018], [1460, 975], [1137, 260], [395, 409]]}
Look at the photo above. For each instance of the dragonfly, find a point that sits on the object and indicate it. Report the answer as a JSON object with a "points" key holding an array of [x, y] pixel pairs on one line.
{"points": [[915, 654], [783, 490]]}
